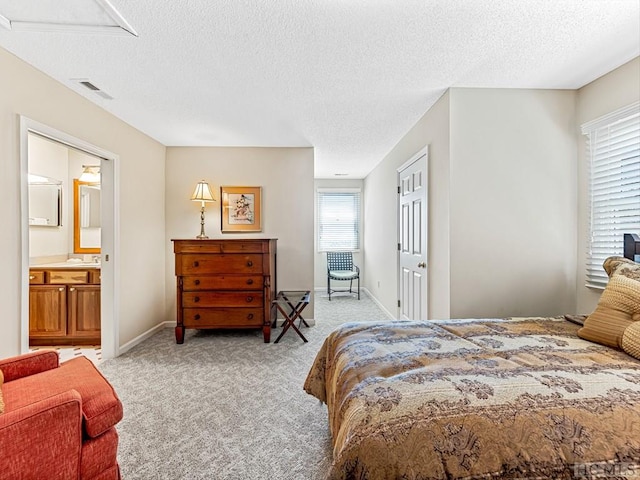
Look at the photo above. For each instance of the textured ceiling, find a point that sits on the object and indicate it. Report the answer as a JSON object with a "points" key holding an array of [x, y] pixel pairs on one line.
{"points": [[348, 77]]}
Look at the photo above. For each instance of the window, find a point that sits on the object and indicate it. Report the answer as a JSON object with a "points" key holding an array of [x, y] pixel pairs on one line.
{"points": [[613, 148], [338, 219]]}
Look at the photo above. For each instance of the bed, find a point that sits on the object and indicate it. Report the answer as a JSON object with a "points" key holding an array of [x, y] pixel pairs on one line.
{"points": [[483, 398]]}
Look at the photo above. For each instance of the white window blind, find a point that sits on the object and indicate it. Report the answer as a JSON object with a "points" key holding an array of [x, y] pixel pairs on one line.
{"points": [[613, 147], [338, 219]]}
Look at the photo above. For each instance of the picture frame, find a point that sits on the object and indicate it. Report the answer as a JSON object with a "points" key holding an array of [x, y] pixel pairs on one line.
{"points": [[241, 209]]}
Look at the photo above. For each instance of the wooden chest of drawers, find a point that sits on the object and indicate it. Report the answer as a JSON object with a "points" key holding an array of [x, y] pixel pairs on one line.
{"points": [[225, 284]]}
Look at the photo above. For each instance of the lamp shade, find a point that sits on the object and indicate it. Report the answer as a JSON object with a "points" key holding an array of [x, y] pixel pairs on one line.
{"points": [[202, 193]]}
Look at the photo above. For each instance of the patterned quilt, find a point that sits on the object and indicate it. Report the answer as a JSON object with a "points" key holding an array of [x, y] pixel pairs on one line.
{"points": [[470, 399]]}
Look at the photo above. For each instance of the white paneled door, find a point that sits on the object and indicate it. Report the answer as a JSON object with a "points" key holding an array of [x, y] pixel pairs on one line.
{"points": [[412, 238]]}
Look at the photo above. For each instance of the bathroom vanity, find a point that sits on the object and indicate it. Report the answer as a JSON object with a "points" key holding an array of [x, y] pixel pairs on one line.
{"points": [[64, 305]]}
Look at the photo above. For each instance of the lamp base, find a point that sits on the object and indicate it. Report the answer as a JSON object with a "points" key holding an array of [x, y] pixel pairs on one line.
{"points": [[202, 236]]}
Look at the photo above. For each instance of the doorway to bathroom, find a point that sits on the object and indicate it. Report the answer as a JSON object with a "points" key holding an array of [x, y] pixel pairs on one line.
{"points": [[68, 218]]}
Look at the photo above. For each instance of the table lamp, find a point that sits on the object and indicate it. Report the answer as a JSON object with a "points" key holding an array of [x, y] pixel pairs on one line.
{"points": [[202, 194]]}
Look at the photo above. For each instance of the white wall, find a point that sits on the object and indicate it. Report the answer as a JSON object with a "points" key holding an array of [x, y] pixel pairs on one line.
{"points": [[381, 219], [286, 178], [320, 258], [502, 205], [26, 91], [615, 90], [513, 202], [56, 160], [51, 159]]}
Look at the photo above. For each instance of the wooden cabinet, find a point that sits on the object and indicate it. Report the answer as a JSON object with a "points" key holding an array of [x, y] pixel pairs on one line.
{"points": [[64, 307], [47, 312], [83, 312], [225, 284]]}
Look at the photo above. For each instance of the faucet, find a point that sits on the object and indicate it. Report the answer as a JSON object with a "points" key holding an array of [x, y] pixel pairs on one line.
{"points": [[96, 258]]}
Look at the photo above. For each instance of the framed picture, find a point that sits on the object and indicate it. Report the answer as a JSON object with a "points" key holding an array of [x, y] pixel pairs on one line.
{"points": [[241, 209]]}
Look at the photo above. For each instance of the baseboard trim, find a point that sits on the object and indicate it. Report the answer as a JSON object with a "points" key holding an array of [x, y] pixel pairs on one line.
{"points": [[377, 302], [152, 331], [143, 336], [310, 321], [366, 291]]}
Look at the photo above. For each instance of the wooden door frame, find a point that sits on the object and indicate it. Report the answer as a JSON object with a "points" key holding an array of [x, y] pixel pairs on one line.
{"points": [[423, 152], [110, 242]]}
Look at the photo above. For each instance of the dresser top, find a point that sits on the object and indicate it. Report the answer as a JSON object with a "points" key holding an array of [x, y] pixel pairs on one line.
{"points": [[221, 245], [234, 239]]}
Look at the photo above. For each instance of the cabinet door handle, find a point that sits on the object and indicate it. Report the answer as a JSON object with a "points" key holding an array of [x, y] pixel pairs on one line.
{"points": [[71, 289], [197, 316], [196, 299], [196, 264], [61, 289], [250, 281], [249, 263], [250, 316], [197, 282], [249, 299]]}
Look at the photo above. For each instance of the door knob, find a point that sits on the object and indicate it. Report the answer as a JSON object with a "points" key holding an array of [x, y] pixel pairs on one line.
{"points": [[422, 265]]}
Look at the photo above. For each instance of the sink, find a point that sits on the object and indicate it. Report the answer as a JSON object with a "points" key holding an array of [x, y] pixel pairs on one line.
{"points": [[69, 265]]}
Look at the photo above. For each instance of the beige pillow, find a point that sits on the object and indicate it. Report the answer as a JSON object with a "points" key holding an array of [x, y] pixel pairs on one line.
{"points": [[631, 340], [619, 307], [1, 401]]}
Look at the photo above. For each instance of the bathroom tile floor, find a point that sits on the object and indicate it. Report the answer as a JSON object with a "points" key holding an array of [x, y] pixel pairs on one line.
{"points": [[92, 352]]}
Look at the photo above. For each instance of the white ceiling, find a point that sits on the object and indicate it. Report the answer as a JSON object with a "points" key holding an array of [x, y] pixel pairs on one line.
{"points": [[348, 77]]}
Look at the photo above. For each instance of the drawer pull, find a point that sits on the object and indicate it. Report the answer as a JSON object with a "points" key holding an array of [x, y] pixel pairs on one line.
{"points": [[197, 316], [196, 299], [249, 263], [31, 277], [196, 264], [250, 281], [249, 299], [197, 282], [250, 316]]}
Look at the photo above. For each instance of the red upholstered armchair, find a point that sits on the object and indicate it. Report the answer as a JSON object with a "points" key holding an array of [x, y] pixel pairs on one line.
{"points": [[58, 420]]}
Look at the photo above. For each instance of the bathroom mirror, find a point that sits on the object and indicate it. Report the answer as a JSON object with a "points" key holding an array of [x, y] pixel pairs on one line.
{"points": [[86, 217], [45, 201]]}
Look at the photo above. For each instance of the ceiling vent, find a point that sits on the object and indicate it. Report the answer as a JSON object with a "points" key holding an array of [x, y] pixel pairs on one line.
{"points": [[90, 86]]}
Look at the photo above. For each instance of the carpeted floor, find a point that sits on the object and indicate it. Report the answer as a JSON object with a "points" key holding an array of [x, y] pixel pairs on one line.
{"points": [[225, 405]]}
